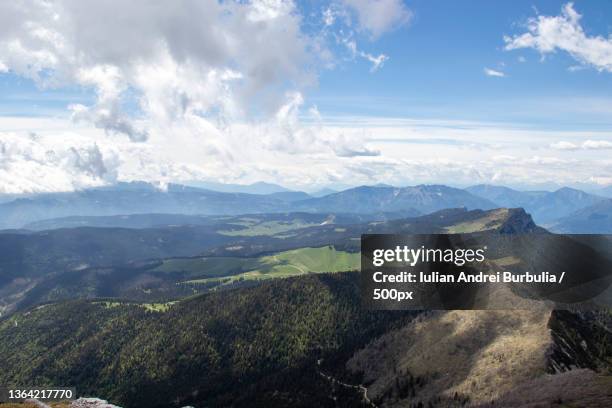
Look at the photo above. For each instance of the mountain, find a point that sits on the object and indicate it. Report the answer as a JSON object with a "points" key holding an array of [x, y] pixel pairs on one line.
{"points": [[595, 219], [606, 191], [290, 196], [505, 196], [420, 199], [562, 202], [143, 198], [255, 188], [281, 342], [323, 192], [134, 199], [120, 221], [544, 206], [129, 199]]}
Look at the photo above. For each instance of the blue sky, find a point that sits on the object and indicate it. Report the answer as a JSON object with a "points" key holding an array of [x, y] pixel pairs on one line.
{"points": [[307, 94], [436, 69]]}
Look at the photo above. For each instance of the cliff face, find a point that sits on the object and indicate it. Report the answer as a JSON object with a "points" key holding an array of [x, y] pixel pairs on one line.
{"points": [[518, 222], [578, 341]]}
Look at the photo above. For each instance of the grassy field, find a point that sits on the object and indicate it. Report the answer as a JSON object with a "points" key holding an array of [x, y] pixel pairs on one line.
{"points": [[493, 219], [256, 227], [291, 263]]}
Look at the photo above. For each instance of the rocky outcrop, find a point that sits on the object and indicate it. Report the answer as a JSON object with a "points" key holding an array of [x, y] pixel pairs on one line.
{"points": [[518, 222]]}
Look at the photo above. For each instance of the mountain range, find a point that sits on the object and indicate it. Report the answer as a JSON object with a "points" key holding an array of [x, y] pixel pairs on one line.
{"points": [[544, 206], [594, 219], [565, 209], [139, 198]]}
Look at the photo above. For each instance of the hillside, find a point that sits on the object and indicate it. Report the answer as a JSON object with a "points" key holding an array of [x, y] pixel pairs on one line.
{"points": [[480, 357], [244, 348], [119, 262], [287, 342]]}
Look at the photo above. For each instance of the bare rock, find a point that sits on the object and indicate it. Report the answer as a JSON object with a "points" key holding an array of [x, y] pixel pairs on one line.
{"points": [[91, 403]]}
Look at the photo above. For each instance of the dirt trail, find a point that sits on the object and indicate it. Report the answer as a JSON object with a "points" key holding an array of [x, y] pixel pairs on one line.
{"points": [[363, 390]]}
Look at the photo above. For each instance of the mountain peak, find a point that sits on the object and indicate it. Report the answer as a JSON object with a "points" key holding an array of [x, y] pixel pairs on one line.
{"points": [[518, 221]]}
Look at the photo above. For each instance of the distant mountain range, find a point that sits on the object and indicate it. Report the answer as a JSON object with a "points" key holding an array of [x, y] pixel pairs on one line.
{"points": [[255, 188], [565, 209], [140, 198], [606, 191], [544, 206], [136, 198], [421, 199], [594, 219]]}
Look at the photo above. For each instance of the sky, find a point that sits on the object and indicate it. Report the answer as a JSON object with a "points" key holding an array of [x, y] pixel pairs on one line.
{"points": [[306, 94]]}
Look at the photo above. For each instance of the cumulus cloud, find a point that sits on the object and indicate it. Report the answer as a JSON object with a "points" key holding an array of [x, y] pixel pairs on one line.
{"points": [[379, 16], [289, 135], [199, 88], [201, 58], [494, 73], [548, 34]]}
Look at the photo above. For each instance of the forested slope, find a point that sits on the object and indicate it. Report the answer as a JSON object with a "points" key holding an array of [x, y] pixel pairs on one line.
{"points": [[253, 344]]}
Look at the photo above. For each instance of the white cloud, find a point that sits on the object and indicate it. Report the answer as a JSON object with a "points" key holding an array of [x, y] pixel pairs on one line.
{"points": [[377, 61], [203, 58], [548, 34], [586, 145], [35, 163], [562, 145], [208, 98], [597, 145], [60, 156], [379, 16], [493, 73], [329, 16]]}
